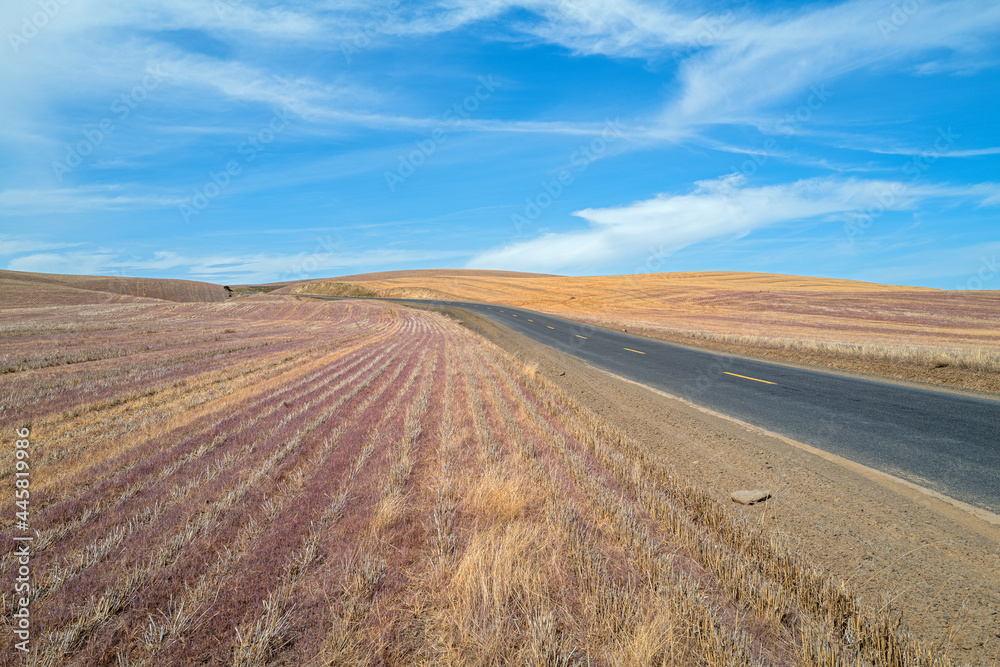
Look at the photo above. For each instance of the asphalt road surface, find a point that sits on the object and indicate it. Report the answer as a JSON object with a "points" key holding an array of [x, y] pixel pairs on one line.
{"points": [[945, 441]]}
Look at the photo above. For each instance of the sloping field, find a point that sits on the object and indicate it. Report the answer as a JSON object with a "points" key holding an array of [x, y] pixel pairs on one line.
{"points": [[443, 273], [28, 294], [269, 481], [18, 288], [815, 320], [724, 303]]}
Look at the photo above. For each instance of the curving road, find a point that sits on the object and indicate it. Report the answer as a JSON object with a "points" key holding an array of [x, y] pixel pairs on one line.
{"points": [[945, 441]]}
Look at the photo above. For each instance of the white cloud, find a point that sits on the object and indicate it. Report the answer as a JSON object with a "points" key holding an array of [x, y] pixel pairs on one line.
{"points": [[264, 267], [221, 16], [717, 208], [766, 60], [161, 259], [609, 27], [736, 65], [75, 263], [69, 200], [240, 82], [231, 268], [12, 245], [923, 152]]}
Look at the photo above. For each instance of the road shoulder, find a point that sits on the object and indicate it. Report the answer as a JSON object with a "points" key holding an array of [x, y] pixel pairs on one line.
{"points": [[939, 565]]}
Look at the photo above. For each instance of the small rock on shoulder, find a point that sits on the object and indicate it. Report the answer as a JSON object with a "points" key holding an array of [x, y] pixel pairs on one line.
{"points": [[751, 497]]}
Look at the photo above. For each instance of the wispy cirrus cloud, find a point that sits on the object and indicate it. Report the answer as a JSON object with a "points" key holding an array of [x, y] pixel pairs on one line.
{"points": [[215, 267], [16, 245], [735, 63], [17, 202], [717, 208], [923, 152], [74, 263], [691, 84], [764, 60]]}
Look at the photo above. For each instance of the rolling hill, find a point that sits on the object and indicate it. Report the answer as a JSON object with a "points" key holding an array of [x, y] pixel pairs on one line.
{"points": [[22, 289]]}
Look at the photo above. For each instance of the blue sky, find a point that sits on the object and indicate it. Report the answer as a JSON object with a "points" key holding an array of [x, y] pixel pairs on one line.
{"points": [[238, 141]]}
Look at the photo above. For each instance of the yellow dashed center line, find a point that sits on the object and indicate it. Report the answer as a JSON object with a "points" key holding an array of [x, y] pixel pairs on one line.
{"points": [[531, 320], [553, 328], [579, 336], [631, 350], [748, 378]]}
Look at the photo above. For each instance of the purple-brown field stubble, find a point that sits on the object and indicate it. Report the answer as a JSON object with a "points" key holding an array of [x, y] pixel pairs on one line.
{"points": [[281, 482]]}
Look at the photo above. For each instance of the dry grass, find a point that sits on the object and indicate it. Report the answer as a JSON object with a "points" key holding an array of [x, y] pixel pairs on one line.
{"points": [[968, 358], [376, 485]]}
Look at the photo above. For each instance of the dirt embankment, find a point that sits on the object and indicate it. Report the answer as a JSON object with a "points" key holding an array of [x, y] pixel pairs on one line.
{"points": [[938, 565]]}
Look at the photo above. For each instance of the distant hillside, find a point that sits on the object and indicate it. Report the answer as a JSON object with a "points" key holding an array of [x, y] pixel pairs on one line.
{"points": [[572, 294], [20, 289], [710, 302], [415, 284], [335, 288], [469, 283], [911, 333], [442, 273]]}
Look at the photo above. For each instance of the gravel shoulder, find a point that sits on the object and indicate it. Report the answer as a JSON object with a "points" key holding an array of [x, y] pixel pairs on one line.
{"points": [[936, 563]]}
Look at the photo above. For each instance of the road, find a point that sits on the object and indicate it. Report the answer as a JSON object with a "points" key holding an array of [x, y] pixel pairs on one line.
{"points": [[944, 441]]}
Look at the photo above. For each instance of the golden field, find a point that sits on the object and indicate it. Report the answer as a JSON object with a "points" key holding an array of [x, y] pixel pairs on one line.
{"points": [[796, 318]]}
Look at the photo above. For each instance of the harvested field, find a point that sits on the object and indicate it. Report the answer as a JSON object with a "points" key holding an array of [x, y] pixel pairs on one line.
{"points": [[269, 481], [910, 333], [19, 288], [28, 294]]}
